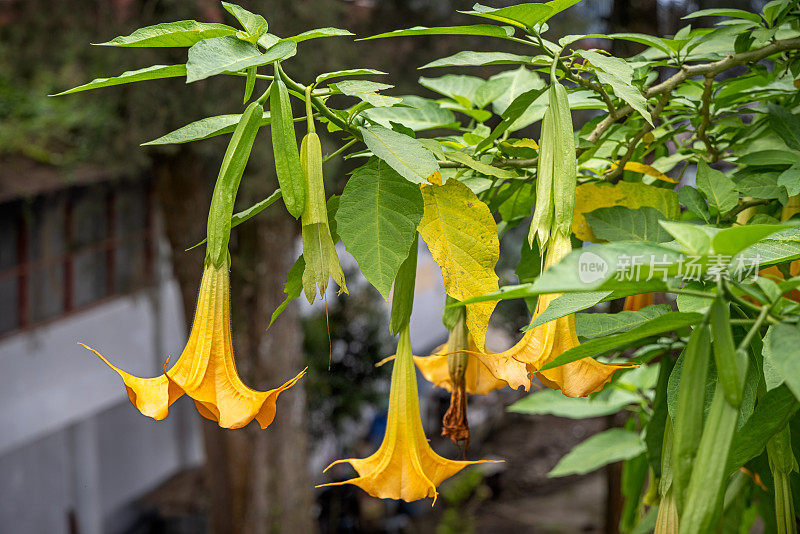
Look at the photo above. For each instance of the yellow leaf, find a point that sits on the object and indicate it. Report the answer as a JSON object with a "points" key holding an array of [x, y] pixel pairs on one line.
{"points": [[589, 197], [462, 237], [526, 143], [648, 170]]}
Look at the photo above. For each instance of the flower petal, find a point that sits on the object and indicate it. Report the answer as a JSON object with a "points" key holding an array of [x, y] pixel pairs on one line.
{"points": [[580, 378], [151, 396]]}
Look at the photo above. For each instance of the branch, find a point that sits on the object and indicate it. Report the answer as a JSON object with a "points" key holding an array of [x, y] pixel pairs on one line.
{"points": [[743, 206], [616, 171], [589, 84], [320, 105], [690, 71], [596, 87], [705, 111], [503, 163]]}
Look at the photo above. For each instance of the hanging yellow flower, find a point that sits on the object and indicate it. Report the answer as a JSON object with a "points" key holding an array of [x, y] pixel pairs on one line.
{"points": [[543, 343], [404, 466], [637, 302], [206, 370], [478, 378]]}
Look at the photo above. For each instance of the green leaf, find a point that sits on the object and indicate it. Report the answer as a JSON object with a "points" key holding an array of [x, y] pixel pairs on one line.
{"points": [[771, 251], [618, 74], [415, 113], [367, 91], [523, 15], [255, 209], [202, 129], [566, 304], [155, 72], [551, 402], [735, 13], [529, 268], [292, 288], [598, 268], [761, 186], [255, 25], [772, 413], [594, 325], [245, 215], [347, 72], [519, 204], [656, 426], [483, 168], [644, 39], [790, 179], [593, 195], [660, 325], [599, 450], [609, 64], [171, 34], [786, 125], [694, 202], [468, 58], [250, 84], [484, 30], [557, 6], [696, 239], [267, 40], [319, 32], [230, 54], [769, 158], [377, 220], [731, 241], [512, 113], [455, 86], [403, 153], [520, 81], [718, 188], [782, 348], [618, 223]]}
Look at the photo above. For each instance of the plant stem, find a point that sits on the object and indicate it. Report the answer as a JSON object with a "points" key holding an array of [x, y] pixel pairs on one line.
{"points": [[339, 150]]}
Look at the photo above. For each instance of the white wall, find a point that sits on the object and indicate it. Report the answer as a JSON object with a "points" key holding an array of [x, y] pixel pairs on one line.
{"points": [[70, 441]]}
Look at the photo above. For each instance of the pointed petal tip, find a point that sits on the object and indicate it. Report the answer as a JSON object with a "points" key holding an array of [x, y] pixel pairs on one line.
{"points": [[342, 461]]}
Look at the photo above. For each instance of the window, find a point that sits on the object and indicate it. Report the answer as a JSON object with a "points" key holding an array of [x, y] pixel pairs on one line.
{"points": [[64, 251]]}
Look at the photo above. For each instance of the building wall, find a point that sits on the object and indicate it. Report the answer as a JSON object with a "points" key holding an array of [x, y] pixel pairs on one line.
{"points": [[70, 441]]}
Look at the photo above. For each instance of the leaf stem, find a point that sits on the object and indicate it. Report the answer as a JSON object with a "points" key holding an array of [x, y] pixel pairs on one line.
{"points": [[339, 150]]}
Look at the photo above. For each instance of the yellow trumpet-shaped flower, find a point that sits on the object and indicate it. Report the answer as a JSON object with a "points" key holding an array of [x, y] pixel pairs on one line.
{"points": [[478, 378], [404, 466], [206, 370], [637, 302], [543, 343]]}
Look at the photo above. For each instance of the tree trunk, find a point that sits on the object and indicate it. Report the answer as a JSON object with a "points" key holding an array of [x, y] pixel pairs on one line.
{"points": [[256, 479]]}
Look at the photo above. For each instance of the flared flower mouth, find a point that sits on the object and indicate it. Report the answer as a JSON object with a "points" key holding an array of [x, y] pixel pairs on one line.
{"points": [[206, 371], [404, 466], [478, 378], [541, 344]]}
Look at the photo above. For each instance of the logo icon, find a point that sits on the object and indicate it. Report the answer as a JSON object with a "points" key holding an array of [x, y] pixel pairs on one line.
{"points": [[591, 267]]}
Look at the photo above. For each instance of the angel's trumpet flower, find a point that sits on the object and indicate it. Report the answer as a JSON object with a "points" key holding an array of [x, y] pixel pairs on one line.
{"points": [[637, 302], [404, 466], [454, 366], [543, 343], [478, 379], [205, 370]]}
